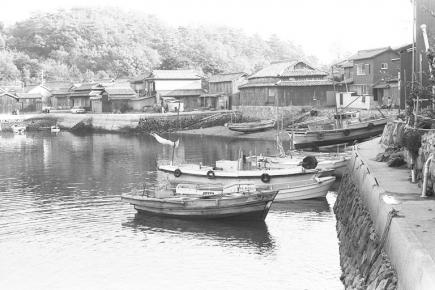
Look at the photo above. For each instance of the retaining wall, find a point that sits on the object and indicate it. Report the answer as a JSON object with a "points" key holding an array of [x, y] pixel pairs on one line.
{"points": [[362, 258]]}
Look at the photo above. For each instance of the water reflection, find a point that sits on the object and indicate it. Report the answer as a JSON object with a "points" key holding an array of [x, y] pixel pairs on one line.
{"points": [[241, 234], [61, 206]]}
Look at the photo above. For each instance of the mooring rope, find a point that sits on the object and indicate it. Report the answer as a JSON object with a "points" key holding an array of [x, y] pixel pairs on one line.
{"points": [[392, 213]]}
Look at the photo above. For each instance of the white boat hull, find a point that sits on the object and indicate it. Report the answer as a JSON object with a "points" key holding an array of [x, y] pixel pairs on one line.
{"points": [[308, 191], [224, 178]]}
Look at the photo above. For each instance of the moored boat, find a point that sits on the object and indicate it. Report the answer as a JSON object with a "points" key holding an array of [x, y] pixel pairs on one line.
{"points": [[240, 205], [348, 127], [199, 174], [250, 127], [18, 129], [289, 191], [337, 161], [55, 129]]}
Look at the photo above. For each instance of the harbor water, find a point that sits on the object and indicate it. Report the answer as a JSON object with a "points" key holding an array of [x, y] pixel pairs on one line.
{"points": [[63, 225]]}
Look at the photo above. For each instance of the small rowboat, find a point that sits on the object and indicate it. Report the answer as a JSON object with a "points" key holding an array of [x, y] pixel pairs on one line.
{"points": [[18, 129], [55, 129], [240, 205], [289, 191], [250, 127]]}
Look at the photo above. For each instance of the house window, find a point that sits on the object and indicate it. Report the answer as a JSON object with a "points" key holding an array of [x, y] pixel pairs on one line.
{"points": [[363, 99], [360, 69], [384, 65]]}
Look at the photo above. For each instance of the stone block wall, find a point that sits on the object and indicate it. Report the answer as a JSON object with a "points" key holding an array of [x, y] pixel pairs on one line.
{"points": [[364, 263]]}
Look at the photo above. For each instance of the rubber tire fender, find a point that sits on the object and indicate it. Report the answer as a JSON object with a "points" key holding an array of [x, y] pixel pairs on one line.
{"points": [[309, 162], [210, 174], [346, 132], [265, 178], [177, 172], [370, 125]]}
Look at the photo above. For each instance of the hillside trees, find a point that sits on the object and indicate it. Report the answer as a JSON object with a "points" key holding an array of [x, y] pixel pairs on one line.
{"points": [[109, 42]]}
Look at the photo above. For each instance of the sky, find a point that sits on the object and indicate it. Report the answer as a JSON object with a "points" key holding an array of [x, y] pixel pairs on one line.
{"points": [[327, 29]]}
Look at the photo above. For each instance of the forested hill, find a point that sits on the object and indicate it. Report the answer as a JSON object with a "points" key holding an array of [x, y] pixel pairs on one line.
{"points": [[83, 43]]}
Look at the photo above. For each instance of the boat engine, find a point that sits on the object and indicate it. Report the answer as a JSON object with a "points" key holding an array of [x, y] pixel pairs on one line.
{"points": [[309, 162]]}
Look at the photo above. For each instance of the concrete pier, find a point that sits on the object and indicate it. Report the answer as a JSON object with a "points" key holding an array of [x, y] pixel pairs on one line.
{"points": [[410, 243]]}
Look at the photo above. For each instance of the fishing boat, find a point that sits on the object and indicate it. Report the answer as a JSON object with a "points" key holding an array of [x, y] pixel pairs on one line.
{"points": [[238, 205], [18, 129], [348, 127], [226, 172], [289, 191], [323, 161], [55, 129], [250, 127]]}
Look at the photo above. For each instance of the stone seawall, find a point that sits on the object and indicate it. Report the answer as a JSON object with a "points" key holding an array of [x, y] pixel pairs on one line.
{"points": [[121, 122], [362, 258], [269, 112]]}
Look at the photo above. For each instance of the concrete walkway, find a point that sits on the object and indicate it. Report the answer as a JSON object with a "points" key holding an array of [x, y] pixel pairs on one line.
{"points": [[411, 241]]}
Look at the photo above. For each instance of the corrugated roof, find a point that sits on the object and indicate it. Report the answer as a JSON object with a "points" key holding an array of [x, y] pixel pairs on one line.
{"points": [[369, 53], [181, 93], [228, 77], [305, 83], [174, 74]]}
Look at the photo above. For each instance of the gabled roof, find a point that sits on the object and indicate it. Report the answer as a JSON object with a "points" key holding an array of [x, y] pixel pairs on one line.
{"points": [[370, 53], [287, 69], [5, 93], [58, 85], [186, 74], [228, 77]]}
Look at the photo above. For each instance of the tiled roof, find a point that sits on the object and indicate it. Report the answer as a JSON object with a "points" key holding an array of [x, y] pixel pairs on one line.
{"points": [[28, 96], [273, 70], [303, 72], [287, 69], [58, 85], [226, 77], [181, 93], [256, 85], [120, 91], [369, 53], [305, 83], [88, 86], [174, 74]]}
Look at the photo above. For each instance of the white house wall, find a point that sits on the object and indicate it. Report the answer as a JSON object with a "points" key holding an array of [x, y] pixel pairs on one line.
{"points": [[355, 102]]}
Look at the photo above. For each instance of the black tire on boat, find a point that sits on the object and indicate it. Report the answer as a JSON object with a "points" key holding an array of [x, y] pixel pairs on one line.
{"points": [[346, 132], [370, 125], [309, 162], [177, 172], [210, 174], [320, 136], [265, 177]]}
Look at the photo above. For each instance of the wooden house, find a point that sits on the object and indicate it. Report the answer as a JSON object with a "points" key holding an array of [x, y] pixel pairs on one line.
{"points": [[59, 91], [286, 83], [81, 96], [8, 102], [375, 72], [28, 102], [183, 85], [223, 90]]}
